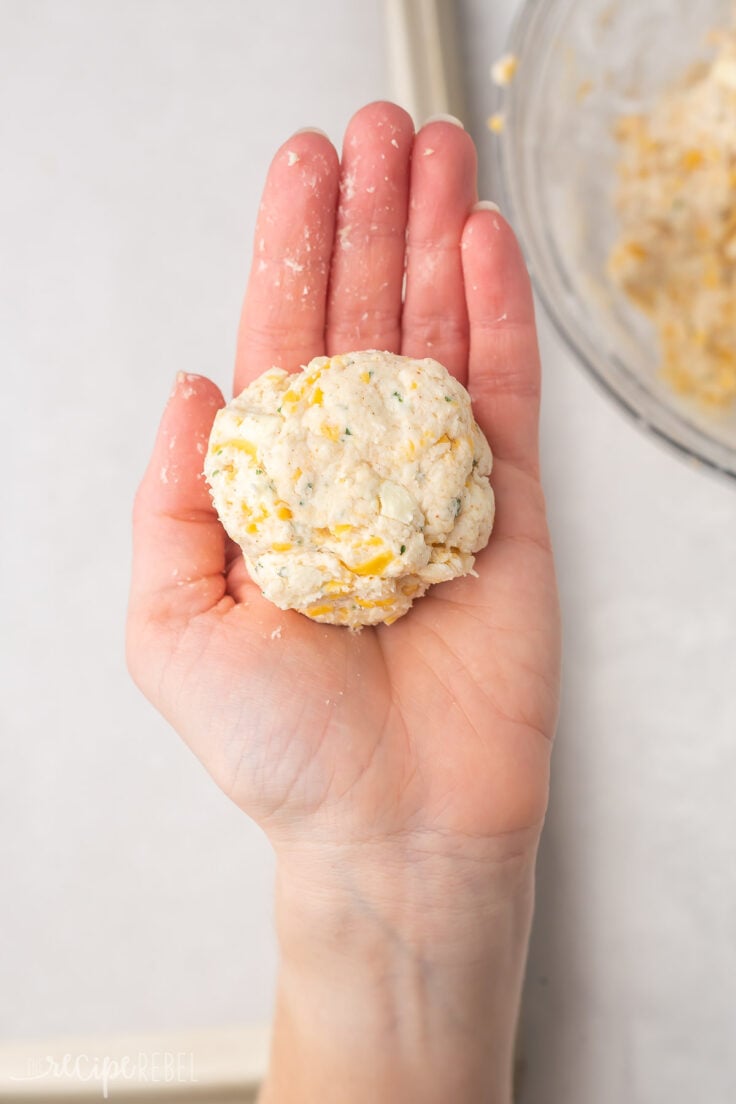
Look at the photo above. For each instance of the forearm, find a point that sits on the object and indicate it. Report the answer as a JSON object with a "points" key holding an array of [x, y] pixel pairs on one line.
{"points": [[400, 984]]}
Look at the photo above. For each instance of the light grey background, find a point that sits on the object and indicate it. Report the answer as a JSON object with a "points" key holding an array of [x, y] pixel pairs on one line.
{"points": [[134, 137]]}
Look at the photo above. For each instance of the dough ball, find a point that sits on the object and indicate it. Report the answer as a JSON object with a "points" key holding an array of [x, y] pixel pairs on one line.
{"points": [[353, 485]]}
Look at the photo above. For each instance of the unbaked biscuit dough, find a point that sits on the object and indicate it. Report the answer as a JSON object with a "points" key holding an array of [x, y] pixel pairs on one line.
{"points": [[676, 199], [353, 485]]}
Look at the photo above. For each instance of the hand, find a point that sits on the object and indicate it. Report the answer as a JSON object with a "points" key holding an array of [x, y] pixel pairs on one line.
{"points": [[440, 723], [423, 745]]}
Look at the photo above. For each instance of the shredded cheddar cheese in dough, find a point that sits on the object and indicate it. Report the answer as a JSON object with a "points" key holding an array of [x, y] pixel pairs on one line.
{"points": [[676, 257]]}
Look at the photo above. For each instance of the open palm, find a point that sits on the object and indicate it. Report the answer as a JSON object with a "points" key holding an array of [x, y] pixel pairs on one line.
{"points": [[441, 723]]}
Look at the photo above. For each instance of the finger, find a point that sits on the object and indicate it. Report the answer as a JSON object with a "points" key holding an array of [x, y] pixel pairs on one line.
{"points": [[364, 310], [443, 190], [504, 374], [178, 542], [283, 319]]}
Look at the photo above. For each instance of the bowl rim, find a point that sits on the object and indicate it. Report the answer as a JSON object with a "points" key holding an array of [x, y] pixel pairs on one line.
{"points": [[530, 12]]}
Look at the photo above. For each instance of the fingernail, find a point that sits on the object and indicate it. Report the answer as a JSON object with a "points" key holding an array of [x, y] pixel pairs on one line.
{"points": [[310, 130], [187, 377], [444, 119], [486, 205], [186, 380], [178, 381]]}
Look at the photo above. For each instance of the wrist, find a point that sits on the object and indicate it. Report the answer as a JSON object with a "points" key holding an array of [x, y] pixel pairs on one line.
{"points": [[443, 894], [401, 971]]}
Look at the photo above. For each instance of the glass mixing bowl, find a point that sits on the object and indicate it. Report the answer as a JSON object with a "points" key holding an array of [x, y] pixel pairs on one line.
{"points": [[581, 64]]}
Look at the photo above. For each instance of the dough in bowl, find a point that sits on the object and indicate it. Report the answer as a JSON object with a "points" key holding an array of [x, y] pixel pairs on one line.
{"points": [[353, 485]]}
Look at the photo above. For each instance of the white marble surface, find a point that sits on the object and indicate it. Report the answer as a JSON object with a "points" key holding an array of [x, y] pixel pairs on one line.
{"points": [[134, 139]]}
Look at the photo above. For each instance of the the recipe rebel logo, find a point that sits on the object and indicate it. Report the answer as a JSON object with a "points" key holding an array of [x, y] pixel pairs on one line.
{"points": [[156, 1067]]}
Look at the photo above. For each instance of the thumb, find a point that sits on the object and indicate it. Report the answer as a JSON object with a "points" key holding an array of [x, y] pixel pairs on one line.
{"points": [[178, 542]]}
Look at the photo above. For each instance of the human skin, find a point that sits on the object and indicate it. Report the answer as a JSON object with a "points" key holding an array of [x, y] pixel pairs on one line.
{"points": [[400, 773]]}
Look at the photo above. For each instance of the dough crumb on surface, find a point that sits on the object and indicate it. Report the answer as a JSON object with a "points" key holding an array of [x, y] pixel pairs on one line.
{"points": [[504, 69], [352, 485]]}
